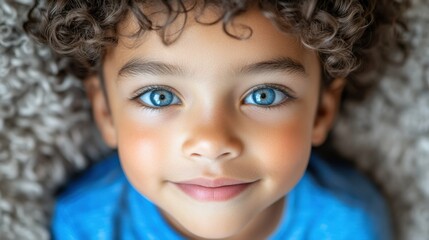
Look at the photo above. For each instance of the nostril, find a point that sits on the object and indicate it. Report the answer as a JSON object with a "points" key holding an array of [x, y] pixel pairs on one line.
{"points": [[223, 155], [195, 155]]}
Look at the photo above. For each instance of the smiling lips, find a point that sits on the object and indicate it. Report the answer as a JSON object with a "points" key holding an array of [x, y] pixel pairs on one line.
{"points": [[213, 190]]}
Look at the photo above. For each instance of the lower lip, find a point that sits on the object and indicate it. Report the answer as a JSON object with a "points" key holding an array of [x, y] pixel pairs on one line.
{"points": [[222, 193]]}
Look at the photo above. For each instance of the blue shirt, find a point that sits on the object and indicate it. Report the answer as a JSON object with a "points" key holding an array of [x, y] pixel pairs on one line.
{"points": [[330, 202]]}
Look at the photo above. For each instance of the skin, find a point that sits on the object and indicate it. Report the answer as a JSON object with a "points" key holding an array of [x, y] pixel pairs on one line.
{"points": [[212, 131]]}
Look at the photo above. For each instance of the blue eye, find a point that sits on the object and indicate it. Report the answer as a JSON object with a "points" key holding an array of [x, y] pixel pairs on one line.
{"points": [[266, 96], [158, 97]]}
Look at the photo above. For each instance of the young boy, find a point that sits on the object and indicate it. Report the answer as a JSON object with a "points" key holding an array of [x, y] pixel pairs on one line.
{"points": [[213, 107]]}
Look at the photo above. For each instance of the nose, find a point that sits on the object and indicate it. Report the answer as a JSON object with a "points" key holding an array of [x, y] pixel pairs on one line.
{"points": [[211, 140]]}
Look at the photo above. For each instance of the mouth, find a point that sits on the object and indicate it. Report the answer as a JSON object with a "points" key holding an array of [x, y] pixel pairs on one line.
{"points": [[221, 189]]}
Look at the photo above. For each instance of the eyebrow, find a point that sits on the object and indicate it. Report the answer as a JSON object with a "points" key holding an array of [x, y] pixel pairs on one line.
{"points": [[138, 66], [278, 64]]}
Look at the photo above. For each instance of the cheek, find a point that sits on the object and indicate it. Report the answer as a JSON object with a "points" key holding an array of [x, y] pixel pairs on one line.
{"points": [[284, 148], [142, 149], [287, 145]]}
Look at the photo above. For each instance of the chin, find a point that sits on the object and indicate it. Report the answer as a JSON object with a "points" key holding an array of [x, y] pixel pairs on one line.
{"points": [[212, 229], [215, 232]]}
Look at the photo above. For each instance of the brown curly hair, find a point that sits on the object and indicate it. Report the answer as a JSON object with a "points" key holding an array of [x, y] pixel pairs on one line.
{"points": [[343, 32]]}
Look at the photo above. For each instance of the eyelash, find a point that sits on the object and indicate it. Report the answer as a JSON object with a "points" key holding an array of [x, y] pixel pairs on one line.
{"points": [[289, 97]]}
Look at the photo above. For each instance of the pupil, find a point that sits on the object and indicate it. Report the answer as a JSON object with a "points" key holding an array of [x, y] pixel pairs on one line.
{"points": [[263, 95], [162, 97]]}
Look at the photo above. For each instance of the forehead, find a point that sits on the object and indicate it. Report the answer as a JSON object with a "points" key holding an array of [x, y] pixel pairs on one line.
{"points": [[202, 46]]}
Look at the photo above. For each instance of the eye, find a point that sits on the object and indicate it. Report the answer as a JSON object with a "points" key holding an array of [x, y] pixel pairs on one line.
{"points": [[266, 96], [157, 97]]}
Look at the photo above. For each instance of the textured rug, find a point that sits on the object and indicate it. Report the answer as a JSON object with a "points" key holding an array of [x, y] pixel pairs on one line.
{"points": [[46, 132], [388, 134]]}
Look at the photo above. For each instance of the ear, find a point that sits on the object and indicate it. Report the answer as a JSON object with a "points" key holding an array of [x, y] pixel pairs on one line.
{"points": [[101, 110], [327, 110]]}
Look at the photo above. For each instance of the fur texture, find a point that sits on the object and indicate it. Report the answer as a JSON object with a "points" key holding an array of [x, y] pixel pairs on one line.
{"points": [[388, 135], [45, 128], [46, 131]]}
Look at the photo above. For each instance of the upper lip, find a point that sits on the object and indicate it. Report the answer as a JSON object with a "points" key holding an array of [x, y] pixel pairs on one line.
{"points": [[212, 183]]}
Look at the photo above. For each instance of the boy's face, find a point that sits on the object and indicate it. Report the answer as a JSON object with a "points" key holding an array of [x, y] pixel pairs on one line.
{"points": [[211, 111]]}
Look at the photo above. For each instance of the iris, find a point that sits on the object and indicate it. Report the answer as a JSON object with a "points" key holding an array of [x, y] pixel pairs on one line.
{"points": [[264, 96]]}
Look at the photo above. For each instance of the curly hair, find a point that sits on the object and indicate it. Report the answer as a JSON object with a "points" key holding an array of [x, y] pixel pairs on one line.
{"points": [[343, 33]]}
